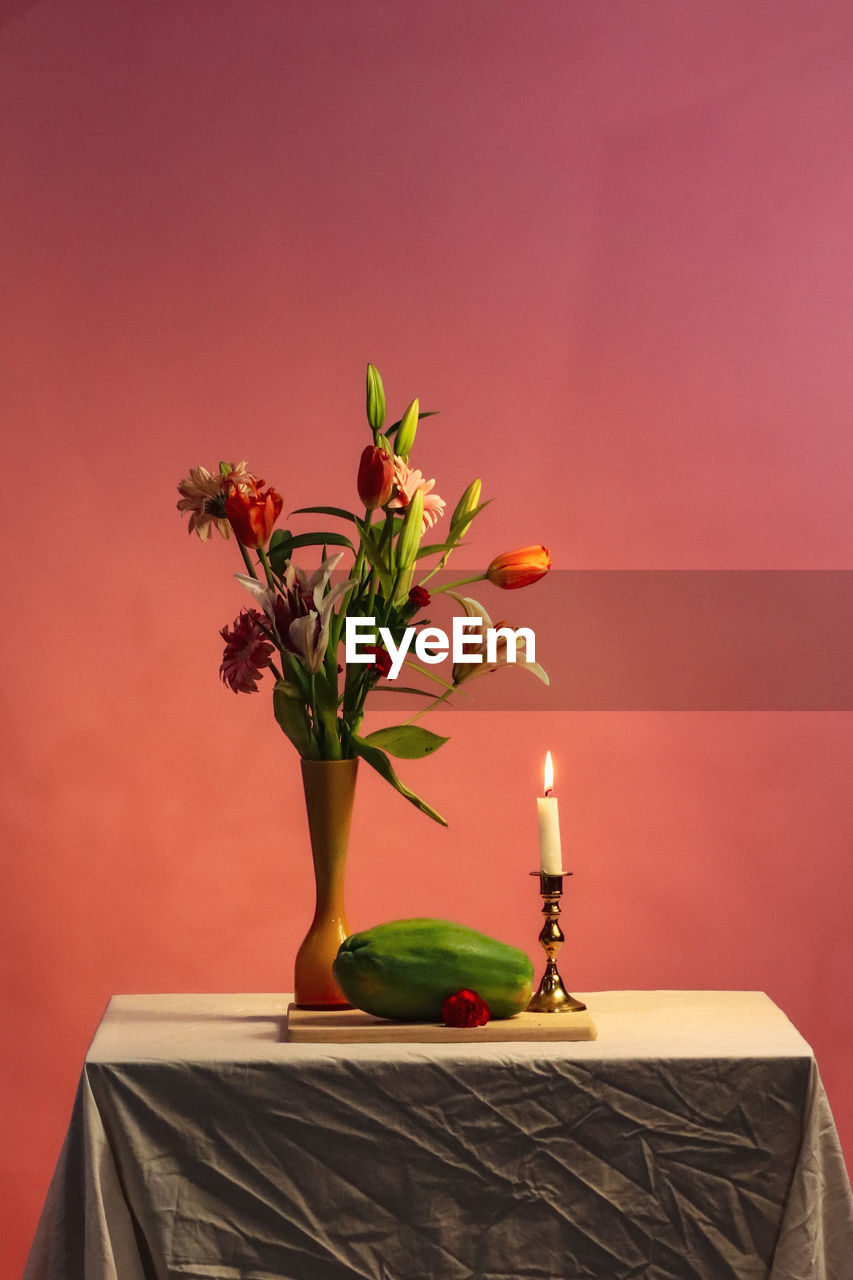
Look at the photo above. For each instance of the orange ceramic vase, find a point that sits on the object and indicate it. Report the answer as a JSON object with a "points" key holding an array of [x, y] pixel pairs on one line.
{"points": [[329, 793]]}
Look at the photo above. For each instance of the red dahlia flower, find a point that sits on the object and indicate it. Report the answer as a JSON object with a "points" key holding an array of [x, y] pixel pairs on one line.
{"points": [[465, 1009], [247, 651]]}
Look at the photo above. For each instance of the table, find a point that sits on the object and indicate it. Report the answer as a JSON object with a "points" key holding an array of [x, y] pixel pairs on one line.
{"points": [[693, 1138]]}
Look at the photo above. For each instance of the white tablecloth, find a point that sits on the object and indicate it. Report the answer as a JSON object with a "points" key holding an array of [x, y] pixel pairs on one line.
{"points": [[693, 1138]]}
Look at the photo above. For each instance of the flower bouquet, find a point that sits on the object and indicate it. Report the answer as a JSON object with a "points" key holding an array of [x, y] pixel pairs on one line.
{"points": [[375, 583]]}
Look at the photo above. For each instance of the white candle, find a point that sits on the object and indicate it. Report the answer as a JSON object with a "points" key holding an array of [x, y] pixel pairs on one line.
{"points": [[550, 852]]}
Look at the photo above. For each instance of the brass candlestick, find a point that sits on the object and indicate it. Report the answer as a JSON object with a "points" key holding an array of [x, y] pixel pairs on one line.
{"points": [[552, 996]]}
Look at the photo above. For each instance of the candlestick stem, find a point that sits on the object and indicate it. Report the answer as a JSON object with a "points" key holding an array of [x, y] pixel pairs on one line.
{"points": [[552, 996]]}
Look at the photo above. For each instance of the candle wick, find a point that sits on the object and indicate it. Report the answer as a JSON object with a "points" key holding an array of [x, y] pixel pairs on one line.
{"points": [[548, 791]]}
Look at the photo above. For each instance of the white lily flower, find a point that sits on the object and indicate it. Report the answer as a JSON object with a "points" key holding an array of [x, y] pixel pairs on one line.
{"points": [[308, 630], [295, 578], [309, 639], [263, 596], [467, 670]]}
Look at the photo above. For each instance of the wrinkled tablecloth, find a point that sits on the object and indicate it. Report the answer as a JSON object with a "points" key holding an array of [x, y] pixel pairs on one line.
{"points": [[692, 1139]]}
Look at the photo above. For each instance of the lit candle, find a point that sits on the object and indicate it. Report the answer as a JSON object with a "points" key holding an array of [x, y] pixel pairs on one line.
{"points": [[550, 853]]}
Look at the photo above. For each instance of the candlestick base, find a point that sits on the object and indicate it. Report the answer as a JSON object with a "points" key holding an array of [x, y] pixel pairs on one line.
{"points": [[552, 996]]}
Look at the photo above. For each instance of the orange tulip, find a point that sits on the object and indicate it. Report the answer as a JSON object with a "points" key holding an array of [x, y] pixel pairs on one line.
{"points": [[252, 513], [519, 568]]}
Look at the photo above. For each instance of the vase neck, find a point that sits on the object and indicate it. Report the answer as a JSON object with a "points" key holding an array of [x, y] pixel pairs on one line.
{"points": [[329, 787]]}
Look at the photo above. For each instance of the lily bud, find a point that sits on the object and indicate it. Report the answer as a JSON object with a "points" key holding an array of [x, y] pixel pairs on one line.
{"points": [[469, 502], [410, 534], [519, 568], [375, 398], [375, 477], [406, 431]]}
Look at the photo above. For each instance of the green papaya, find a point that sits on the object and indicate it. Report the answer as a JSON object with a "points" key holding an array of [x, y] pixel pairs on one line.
{"points": [[405, 969]]}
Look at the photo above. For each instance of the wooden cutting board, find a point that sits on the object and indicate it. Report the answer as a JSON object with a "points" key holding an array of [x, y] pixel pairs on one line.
{"points": [[342, 1026]]}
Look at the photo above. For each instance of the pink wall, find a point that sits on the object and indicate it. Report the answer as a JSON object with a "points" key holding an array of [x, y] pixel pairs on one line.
{"points": [[612, 244]]}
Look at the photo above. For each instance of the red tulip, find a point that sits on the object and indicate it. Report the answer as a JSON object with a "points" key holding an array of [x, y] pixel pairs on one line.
{"points": [[252, 512], [375, 477], [519, 568]]}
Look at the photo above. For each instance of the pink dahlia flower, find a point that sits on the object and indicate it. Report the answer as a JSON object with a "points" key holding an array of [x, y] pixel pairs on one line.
{"points": [[406, 484], [203, 495]]}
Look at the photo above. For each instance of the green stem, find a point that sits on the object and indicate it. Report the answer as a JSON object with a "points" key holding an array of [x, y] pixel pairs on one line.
{"points": [[262, 556], [312, 702], [390, 602], [442, 697], [387, 532], [336, 626], [325, 713], [361, 688], [436, 568], [247, 560], [478, 577], [359, 563], [429, 675], [358, 567]]}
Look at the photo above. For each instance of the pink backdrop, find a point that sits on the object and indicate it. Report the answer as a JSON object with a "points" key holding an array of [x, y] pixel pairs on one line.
{"points": [[612, 244]]}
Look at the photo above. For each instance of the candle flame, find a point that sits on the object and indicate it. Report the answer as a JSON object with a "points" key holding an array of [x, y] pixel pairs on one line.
{"points": [[549, 774]]}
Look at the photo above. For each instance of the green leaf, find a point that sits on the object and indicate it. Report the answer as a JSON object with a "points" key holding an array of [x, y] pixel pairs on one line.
{"points": [[435, 547], [424, 413], [379, 761], [427, 674], [296, 676], [325, 511], [374, 555], [406, 741], [325, 700], [326, 695], [280, 538], [282, 549], [321, 540], [459, 525], [292, 716], [405, 688]]}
